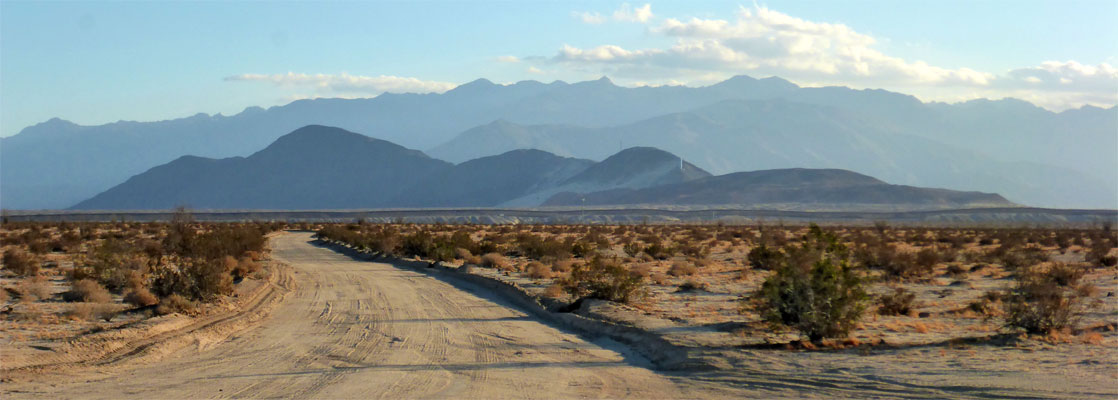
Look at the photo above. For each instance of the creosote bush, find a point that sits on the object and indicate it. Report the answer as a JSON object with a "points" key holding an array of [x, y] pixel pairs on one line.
{"points": [[604, 279], [1041, 303], [20, 263], [814, 289], [764, 257], [899, 302]]}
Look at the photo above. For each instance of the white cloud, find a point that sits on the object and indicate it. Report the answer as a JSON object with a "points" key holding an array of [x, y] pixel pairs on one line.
{"points": [[771, 42], [534, 70], [344, 83], [589, 17], [760, 41], [625, 13], [508, 59], [629, 14], [1068, 75]]}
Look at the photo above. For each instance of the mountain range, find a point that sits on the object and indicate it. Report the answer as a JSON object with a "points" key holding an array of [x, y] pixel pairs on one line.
{"points": [[1031, 155], [319, 167]]}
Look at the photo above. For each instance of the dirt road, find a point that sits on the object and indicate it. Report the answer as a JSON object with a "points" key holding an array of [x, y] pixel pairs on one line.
{"points": [[362, 329]]}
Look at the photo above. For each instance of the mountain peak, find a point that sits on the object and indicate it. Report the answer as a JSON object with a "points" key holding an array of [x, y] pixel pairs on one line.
{"points": [[759, 87], [600, 82], [640, 167], [316, 139], [477, 86]]}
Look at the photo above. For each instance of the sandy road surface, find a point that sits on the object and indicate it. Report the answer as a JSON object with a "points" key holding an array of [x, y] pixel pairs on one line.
{"points": [[361, 329]]}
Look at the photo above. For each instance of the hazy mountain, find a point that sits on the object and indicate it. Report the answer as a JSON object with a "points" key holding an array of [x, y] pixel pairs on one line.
{"points": [[738, 135], [319, 167], [796, 187], [314, 167], [56, 163], [489, 181]]}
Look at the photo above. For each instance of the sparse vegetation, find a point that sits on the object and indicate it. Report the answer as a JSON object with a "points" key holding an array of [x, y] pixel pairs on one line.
{"points": [[797, 269]]}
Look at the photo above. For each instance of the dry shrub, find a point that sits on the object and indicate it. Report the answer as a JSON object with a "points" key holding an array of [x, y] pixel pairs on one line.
{"points": [[604, 279], [659, 279], [1039, 304], [682, 268], [34, 289], [4, 296], [644, 270], [494, 260], [562, 266], [90, 311], [463, 254], [554, 291], [20, 263], [956, 270], [692, 286], [242, 268], [174, 303], [1099, 253], [140, 297], [1065, 274], [988, 305], [538, 270], [80, 312], [900, 302], [87, 290]]}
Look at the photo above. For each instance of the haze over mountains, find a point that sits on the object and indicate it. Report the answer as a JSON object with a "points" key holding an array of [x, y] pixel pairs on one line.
{"points": [[318, 167], [1030, 155]]}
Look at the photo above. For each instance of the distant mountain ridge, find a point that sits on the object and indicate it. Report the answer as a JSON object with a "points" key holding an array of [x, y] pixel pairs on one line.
{"points": [[57, 163], [795, 186], [319, 167], [737, 135]]}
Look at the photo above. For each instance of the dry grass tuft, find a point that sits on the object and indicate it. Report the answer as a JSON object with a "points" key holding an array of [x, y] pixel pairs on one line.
{"points": [[87, 290]]}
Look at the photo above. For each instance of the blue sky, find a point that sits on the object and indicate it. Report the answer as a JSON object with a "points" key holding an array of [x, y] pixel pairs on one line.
{"points": [[98, 62]]}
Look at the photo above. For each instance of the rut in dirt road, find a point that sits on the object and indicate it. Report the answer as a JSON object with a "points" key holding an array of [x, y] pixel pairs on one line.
{"points": [[364, 329]]}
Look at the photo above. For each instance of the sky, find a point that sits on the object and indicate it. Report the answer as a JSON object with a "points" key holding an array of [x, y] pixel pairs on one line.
{"points": [[99, 62]]}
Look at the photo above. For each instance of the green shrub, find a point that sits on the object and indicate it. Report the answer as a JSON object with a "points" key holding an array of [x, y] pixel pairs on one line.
{"points": [[764, 257], [604, 279], [814, 289]]}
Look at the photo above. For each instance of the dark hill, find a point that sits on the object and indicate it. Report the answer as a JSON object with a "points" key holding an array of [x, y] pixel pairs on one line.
{"points": [[489, 181], [826, 188], [314, 167]]}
